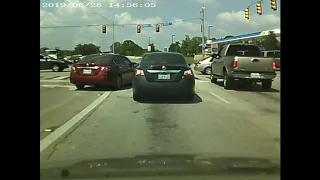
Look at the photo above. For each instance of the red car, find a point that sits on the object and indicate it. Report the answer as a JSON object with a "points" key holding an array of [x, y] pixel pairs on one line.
{"points": [[103, 70]]}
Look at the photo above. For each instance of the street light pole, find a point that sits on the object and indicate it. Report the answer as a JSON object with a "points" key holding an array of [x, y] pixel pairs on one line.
{"points": [[172, 36], [149, 41], [203, 43], [210, 26], [112, 36]]}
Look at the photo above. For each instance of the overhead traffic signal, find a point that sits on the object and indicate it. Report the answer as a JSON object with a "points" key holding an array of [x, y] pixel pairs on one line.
{"points": [[139, 29], [259, 8], [158, 28], [104, 29], [274, 5], [247, 13], [201, 28]]}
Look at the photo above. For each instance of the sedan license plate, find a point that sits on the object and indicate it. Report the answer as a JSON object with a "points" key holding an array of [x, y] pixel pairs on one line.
{"points": [[255, 75], [87, 71], [164, 76]]}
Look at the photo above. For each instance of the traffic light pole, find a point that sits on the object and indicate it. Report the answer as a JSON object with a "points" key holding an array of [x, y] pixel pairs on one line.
{"points": [[112, 36], [203, 43]]}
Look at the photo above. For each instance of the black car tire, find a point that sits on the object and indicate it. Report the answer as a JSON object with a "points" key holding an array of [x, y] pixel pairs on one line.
{"points": [[267, 85], [228, 82], [206, 71], [80, 86], [118, 83], [213, 79], [56, 68], [190, 97], [136, 97]]}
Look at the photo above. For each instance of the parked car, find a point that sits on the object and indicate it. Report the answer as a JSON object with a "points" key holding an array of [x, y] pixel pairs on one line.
{"points": [[242, 63], [204, 66], [164, 73], [57, 65], [74, 58], [103, 70]]}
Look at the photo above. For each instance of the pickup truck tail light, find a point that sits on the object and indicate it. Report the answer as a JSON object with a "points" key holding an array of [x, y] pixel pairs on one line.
{"points": [[274, 66], [234, 64]]}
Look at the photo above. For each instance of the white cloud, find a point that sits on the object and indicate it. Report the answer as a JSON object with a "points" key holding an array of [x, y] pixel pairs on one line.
{"points": [[234, 23], [224, 24]]}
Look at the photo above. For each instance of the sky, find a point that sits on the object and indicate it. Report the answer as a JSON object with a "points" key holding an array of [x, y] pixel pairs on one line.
{"points": [[226, 17]]}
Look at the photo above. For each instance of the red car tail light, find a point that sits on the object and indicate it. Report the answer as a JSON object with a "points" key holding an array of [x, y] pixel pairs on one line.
{"points": [[139, 72], [188, 73]]}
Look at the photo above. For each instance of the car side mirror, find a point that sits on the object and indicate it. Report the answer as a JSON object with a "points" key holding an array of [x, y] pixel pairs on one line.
{"points": [[135, 64]]}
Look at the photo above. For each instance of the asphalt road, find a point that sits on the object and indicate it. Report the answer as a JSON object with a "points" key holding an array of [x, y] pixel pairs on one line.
{"points": [[104, 124]]}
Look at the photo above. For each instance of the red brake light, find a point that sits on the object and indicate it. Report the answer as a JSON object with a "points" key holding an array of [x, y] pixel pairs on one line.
{"points": [[234, 64], [198, 62], [188, 73], [139, 72], [274, 66], [105, 68]]}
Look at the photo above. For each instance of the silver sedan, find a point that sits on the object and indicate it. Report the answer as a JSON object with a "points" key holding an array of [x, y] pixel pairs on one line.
{"points": [[204, 66]]}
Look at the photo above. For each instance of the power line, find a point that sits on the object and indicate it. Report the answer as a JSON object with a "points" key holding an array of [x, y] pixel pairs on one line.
{"points": [[253, 3], [94, 25]]}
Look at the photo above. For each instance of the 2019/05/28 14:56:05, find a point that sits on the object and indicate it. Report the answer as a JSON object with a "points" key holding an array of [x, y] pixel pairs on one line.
{"points": [[72, 4]]}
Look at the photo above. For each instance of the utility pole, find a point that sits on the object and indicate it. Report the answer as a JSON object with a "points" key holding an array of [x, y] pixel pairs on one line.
{"points": [[202, 19], [210, 26], [149, 40], [172, 36], [112, 36]]}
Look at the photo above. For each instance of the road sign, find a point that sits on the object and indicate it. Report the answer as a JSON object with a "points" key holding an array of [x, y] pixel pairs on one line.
{"points": [[149, 48], [168, 23], [147, 25], [214, 47]]}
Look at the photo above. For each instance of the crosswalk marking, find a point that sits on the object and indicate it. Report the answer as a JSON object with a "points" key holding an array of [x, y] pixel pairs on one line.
{"points": [[61, 78]]}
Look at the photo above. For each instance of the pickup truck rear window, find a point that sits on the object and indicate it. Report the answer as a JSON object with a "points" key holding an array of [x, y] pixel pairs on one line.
{"points": [[244, 50]]}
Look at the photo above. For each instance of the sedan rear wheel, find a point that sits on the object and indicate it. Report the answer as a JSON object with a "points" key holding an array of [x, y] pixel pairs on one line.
{"points": [[118, 83], [80, 86]]}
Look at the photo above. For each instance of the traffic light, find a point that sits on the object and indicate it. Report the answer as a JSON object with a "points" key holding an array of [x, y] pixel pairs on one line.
{"points": [[259, 8], [157, 28], [247, 13], [274, 5], [104, 29], [139, 29], [201, 28]]}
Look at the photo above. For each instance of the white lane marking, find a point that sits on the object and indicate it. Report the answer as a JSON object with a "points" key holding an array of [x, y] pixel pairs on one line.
{"points": [[61, 78], [202, 81], [47, 141], [57, 81], [220, 98], [58, 86]]}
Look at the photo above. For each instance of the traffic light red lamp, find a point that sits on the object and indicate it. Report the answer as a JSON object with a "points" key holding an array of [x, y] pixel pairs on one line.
{"points": [[104, 29], [139, 29], [157, 28]]}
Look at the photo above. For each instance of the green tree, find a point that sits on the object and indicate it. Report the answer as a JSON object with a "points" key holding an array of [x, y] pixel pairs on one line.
{"points": [[175, 47], [117, 47], [86, 49]]}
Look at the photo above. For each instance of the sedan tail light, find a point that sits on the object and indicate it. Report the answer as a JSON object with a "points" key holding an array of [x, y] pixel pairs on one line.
{"points": [[188, 73], [139, 72]]}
